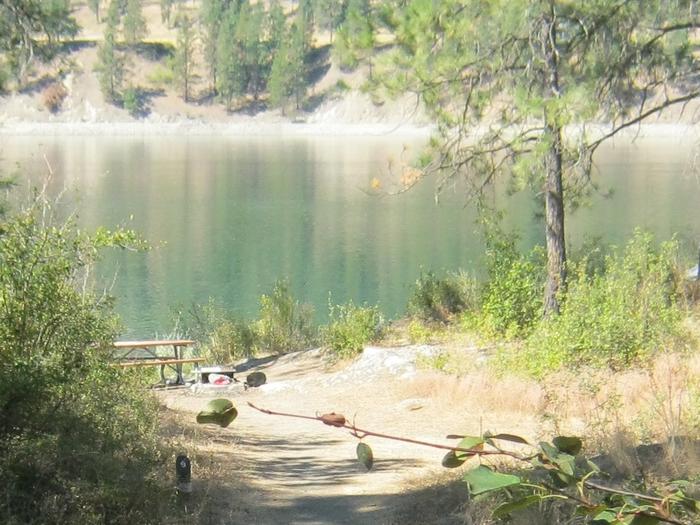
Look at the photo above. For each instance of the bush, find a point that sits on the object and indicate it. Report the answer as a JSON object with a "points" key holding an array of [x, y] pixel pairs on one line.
{"points": [[161, 77], [284, 325], [511, 300], [351, 327], [435, 299], [223, 337], [615, 318], [78, 441], [133, 101], [53, 95]]}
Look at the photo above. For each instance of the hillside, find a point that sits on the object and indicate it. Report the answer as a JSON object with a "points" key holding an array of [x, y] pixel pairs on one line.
{"points": [[333, 96]]}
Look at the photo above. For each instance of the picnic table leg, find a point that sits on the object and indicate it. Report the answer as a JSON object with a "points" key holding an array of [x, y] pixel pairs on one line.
{"points": [[178, 366]]}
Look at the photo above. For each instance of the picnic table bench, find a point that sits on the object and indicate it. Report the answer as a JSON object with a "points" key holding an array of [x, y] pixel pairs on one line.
{"points": [[153, 353]]}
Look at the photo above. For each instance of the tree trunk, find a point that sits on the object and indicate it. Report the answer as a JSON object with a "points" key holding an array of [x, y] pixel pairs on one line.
{"points": [[553, 186], [554, 224]]}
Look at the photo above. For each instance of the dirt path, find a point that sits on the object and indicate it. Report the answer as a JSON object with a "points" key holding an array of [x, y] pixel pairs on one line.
{"points": [[268, 469]]}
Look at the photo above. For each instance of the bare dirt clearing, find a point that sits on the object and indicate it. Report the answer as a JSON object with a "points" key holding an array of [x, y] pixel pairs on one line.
{"points": [[270, 469]]}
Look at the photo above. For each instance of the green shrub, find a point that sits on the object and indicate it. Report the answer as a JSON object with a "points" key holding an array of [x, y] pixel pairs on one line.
{"points": [[435, 299], [285, 324], [223, 337], [161, 76], [78, 437], [615, 318], [133, 101], [511, 299], [351, 327]]}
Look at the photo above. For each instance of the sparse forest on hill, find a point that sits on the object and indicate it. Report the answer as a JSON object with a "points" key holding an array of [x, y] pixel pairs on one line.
{"points": [[586, 362]]}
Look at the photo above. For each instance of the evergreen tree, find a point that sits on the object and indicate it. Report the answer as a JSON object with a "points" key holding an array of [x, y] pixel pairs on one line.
{"points": [[355, 40], [287, 80], [329, 14], [212, 16], [111, 62], [183, 61], [275, 27], [94, 6], [166, 9], [305, 19], [512, 84], [231, 78], [249, 36], [135, 29], [30, 28]]}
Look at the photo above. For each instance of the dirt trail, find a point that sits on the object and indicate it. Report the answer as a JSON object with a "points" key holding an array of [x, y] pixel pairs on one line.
{"points": [[270, 469]]}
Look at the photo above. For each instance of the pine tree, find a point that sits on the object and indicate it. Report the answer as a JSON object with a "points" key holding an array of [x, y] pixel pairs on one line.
{"points": [[183, 61], [30, 29], [231, 78], [287, 80], [513, 84], [166, 9], [329, 14], [275, 27], [135, 29], [111, 62], [355, 40], [94, 6], [212, 16]]}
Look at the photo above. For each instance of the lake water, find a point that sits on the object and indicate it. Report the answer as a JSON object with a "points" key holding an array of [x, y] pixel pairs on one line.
{"points": [[229, 216]]}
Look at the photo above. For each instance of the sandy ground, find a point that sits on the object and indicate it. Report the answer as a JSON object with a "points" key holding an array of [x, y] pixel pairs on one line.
{"points": [[269, 469]]}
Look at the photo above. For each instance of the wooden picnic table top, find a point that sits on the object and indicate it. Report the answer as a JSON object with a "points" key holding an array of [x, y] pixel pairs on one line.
{"points": [[158, 362], [154, 342]]}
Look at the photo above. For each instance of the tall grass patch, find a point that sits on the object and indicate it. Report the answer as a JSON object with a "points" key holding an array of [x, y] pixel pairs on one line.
{"points": [[612, 318], [351, 327]]}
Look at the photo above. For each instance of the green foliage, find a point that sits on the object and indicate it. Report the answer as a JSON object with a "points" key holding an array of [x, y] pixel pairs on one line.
{"points": [[30, 29], [218, 412], [287, 81], [183, 61], [285, 325], [133, 101], [223, 337], [511, 301], [355, 40], [135, 29], [78, 437], [111, 63], [161, 76], [615, 318], [230, 79], [166, 8], [439, 299], [329, 14], [351, 327]]}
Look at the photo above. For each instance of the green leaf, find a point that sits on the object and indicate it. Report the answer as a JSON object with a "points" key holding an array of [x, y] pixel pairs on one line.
{"points": [[482, 479], [607, 516], [567, 444], [365, 455], [506, 508], [509, 437], [469, 442], [218, 412], [452, 461]]}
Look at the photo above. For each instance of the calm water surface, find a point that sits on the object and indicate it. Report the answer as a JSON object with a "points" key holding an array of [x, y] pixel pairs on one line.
{"points": [[229, 216]]}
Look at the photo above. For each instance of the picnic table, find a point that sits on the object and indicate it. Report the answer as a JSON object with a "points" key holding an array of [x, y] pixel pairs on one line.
{"points": [[166, 353]]}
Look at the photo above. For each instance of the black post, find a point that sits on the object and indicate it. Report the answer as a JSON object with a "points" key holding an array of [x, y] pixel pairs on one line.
{"points": [[183, 470]]}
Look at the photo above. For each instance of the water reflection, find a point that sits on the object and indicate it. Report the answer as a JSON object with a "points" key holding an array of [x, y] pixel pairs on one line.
{"points": [[233, 215]]}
